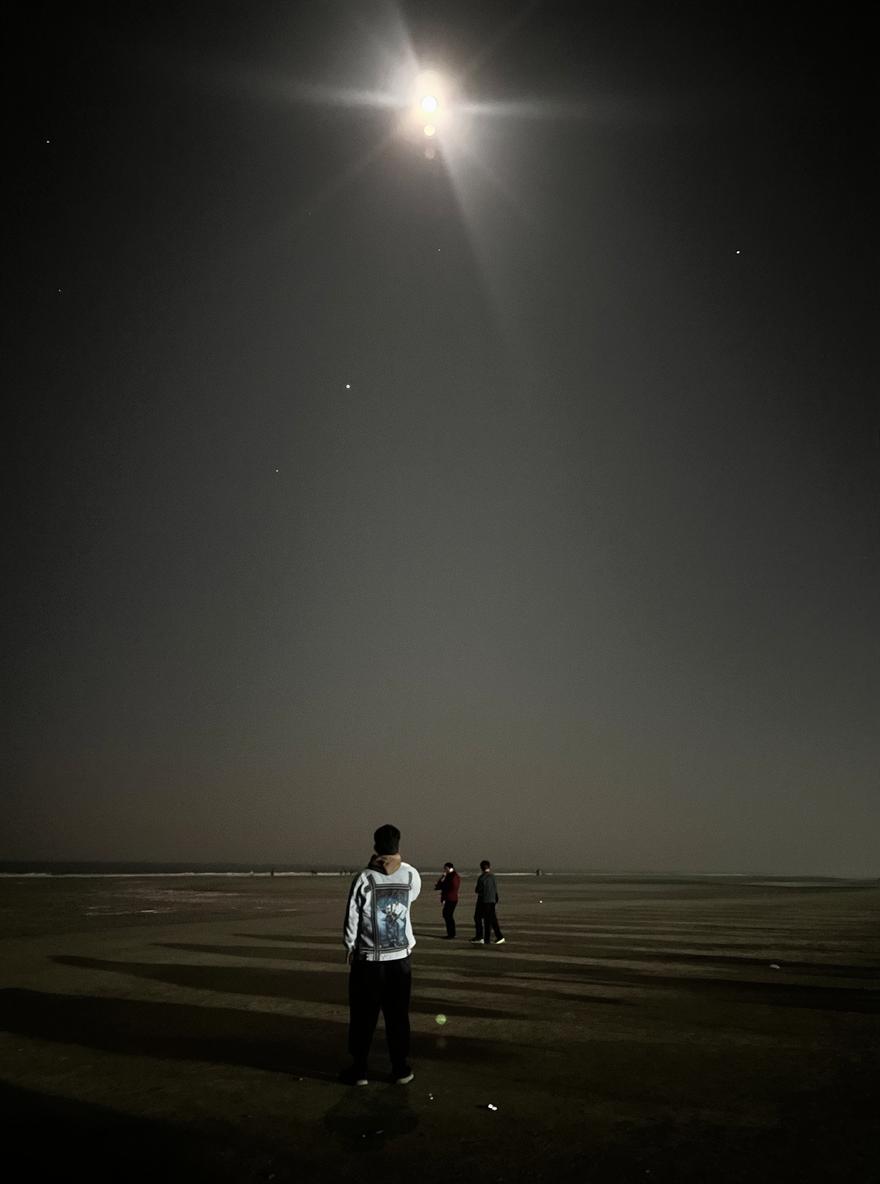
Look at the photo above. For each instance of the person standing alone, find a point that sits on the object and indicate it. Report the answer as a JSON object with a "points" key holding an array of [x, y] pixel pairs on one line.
{"points": [[485, 920], [448, 886], [379, 939]]}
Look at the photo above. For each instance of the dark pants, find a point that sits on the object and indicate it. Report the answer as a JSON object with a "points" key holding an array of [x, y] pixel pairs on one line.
{"points": [[449, 916], [375, 987], [486, 921]]}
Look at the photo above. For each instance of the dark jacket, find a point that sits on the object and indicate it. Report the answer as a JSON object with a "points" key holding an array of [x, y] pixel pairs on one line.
{"points": [[487, 889], [448, 886]]}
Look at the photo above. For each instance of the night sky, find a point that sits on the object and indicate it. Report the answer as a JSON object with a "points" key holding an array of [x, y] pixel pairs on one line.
{"points": [[525, 496]]}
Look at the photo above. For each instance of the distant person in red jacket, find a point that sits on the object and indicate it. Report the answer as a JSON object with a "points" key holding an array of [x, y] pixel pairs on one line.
{"points": [[448, 886]]}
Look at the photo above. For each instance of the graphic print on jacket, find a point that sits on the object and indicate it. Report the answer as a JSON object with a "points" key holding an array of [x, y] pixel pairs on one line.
{"points": [[389, 909]]}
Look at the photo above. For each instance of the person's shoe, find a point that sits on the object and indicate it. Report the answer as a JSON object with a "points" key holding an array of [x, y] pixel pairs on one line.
{"points": [[476, 941], [403, 1076], [354, 1076], [500, 941]]}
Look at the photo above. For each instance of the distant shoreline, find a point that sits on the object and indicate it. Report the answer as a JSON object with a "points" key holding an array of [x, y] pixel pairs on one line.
{"points": [[39, 869]]}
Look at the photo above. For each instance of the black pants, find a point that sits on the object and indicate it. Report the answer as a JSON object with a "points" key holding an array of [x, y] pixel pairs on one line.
{"points": [[486, 921], [449, 916], [375, 987]]}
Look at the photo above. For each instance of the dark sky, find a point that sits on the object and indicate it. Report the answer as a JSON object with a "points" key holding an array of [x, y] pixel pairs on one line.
{"points": [[526, 497]]}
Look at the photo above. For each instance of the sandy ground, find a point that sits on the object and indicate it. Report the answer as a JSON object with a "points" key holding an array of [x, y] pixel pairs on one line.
{"points": [[651, 1030]]}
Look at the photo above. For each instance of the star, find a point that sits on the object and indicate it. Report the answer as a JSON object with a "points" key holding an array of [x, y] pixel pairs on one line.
{"points": [[348, 386]]}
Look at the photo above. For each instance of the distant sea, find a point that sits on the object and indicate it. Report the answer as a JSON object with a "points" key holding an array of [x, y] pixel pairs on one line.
{"points": [[44, 868], [52, 868], [55, 868]]}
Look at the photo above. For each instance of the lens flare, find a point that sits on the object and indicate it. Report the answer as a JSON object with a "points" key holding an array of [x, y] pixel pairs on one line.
{"points": [[429, 109]]}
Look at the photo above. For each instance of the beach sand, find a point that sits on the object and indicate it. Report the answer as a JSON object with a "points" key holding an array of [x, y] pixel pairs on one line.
{"points": [[631, 1029]]}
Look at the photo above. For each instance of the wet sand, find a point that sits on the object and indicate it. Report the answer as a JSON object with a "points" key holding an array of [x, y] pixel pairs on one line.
{"points": [[675, 1030]]}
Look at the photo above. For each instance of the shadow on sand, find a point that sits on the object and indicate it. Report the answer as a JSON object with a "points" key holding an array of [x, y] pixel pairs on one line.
{"points": [[306, 986], [298, 1046], [51, 1137], [498, 979]]}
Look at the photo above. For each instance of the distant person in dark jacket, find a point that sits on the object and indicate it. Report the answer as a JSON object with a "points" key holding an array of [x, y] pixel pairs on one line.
{"points": [[485, 920], [448, 886]]}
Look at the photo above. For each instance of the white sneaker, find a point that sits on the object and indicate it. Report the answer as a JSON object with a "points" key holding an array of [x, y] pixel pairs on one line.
{"points": [[476, 941], [500, 941]]}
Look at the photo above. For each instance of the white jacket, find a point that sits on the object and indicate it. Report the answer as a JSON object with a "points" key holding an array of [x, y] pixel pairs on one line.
{"points": [[377, 920]]}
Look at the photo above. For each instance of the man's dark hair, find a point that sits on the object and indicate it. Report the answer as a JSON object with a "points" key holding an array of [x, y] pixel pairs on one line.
{"points": [[484, 865], [449, 865], [386, 840]]}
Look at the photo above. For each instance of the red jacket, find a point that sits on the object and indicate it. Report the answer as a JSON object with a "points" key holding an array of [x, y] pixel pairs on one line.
{"points": [[448, 886]]}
